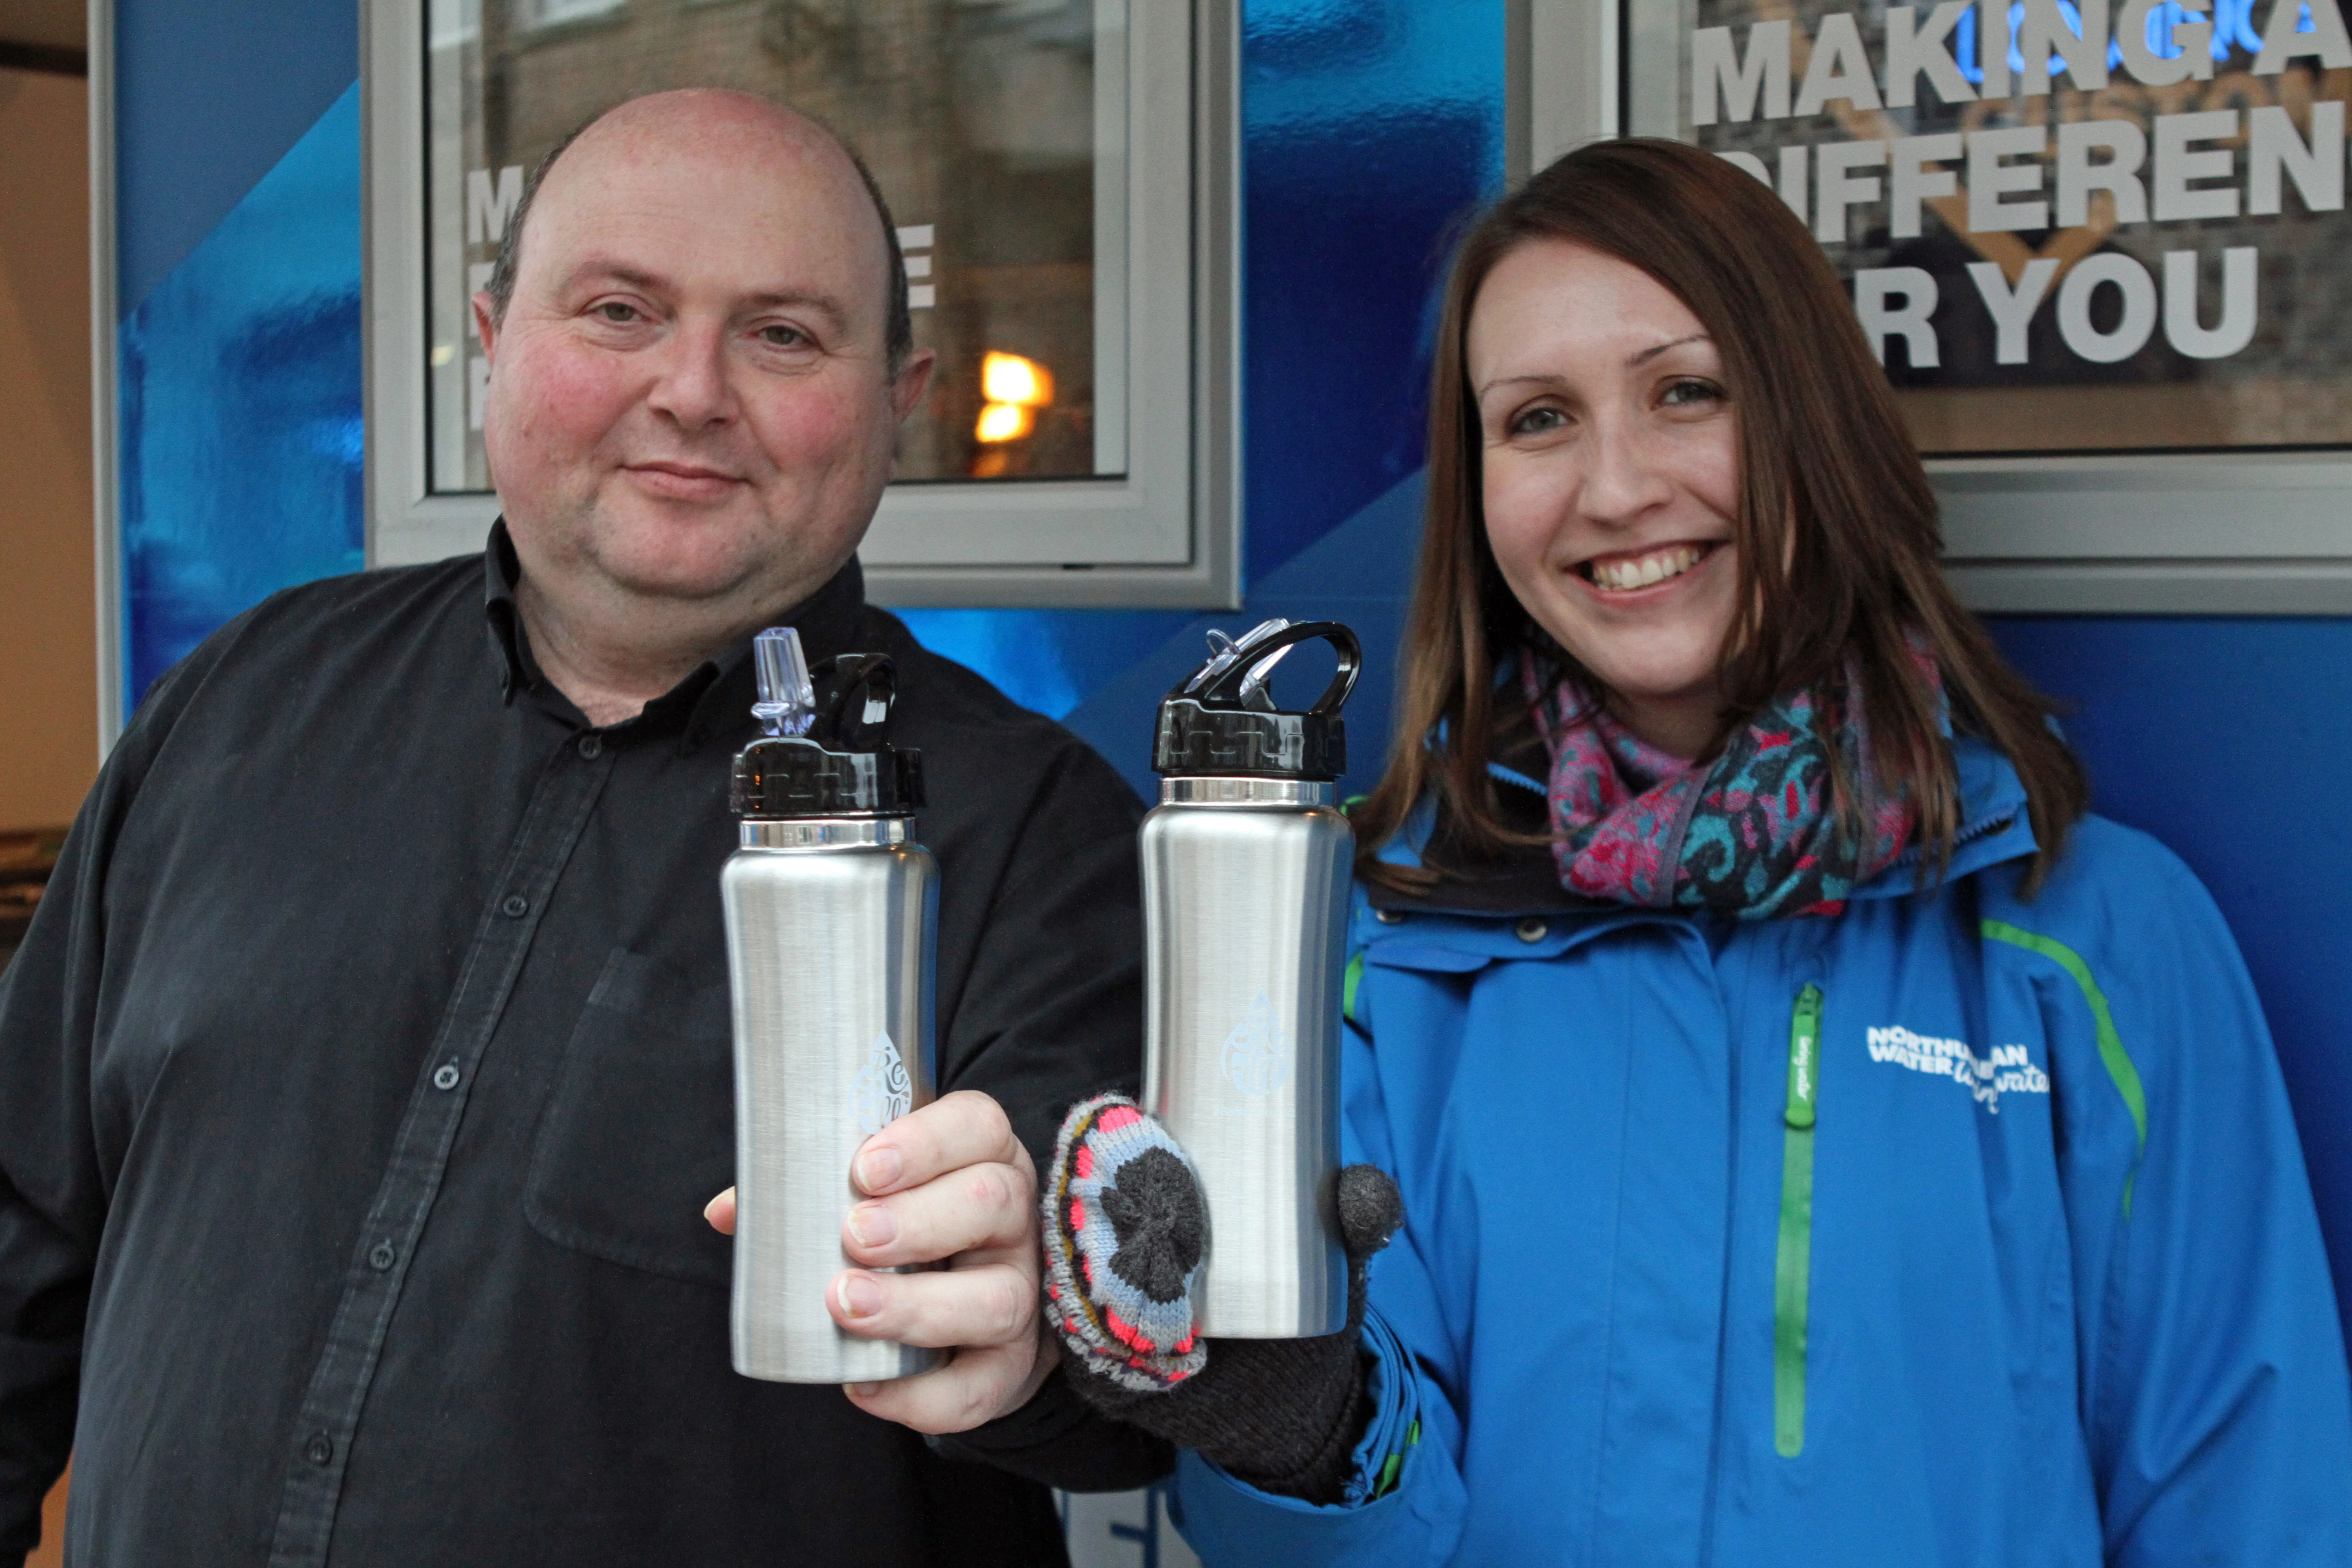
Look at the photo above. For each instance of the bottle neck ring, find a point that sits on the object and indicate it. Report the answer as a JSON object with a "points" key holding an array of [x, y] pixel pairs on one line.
{"points": [[1220, 790], [824, 832]]}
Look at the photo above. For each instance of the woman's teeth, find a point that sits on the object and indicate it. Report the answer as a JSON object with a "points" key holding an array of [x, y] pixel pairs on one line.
{"points": [[1641, 571]]}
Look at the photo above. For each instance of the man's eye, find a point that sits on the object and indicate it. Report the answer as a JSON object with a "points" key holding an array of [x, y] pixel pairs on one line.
{"points": [[783, 337], [615, 310]]}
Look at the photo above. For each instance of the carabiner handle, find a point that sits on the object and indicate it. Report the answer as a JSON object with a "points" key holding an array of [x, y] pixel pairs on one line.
{"points": [[868, 678], [1223, 690]]}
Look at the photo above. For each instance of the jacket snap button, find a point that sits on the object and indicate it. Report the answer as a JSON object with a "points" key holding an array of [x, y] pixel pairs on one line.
{"points": [[1533, 929], [319, 1448], [380, 1256], [1388, 917], [516, 907], [444, 1077], [591, 747]]}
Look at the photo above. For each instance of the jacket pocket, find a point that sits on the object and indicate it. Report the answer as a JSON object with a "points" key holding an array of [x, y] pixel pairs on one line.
{"points": [[639, 1131], [1792, 1262]]}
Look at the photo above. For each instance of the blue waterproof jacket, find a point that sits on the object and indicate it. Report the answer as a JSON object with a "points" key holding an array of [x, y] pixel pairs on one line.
{"points": [[1956, 1229]]}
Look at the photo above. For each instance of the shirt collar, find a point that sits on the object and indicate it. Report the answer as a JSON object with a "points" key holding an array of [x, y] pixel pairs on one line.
{"points": [[826, 620]]}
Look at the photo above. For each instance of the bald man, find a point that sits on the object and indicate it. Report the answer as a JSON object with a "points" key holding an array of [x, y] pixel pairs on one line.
{"points": [[366, 1071]]}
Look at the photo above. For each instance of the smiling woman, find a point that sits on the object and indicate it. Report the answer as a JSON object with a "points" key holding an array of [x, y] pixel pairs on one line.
{"points": [[1671, 466], [1716, 847]]}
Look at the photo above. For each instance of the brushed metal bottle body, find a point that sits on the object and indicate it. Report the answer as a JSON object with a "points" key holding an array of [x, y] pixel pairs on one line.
{"points": [[830, 932], [1246, 901]]}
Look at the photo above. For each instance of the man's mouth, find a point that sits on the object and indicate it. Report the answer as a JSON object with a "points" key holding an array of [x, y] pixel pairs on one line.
{"points": [[681, 471], [1644, 569]]}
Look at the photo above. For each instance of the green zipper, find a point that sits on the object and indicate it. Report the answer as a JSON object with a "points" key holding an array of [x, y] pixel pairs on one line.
{"points": [[1792, 1268]]}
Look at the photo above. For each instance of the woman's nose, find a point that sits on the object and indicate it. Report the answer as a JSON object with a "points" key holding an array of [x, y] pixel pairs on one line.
{"points": [[1624, 478]]}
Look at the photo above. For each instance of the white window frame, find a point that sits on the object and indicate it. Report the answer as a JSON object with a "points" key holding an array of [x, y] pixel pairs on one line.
{"points": [[1166, 534], [2130, 533]]}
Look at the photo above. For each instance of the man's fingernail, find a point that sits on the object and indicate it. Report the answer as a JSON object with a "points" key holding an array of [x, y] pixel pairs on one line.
{"points": [[862, 1390], [860, 1296], [873, 1224], [877, 1168]]}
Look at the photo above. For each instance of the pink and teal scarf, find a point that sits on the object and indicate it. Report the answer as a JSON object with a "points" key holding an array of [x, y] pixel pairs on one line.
{"points": [[1751, 832]]}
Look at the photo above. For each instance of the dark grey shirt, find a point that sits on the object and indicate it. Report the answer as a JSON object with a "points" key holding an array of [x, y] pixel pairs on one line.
{"points": [[366, 1069]]}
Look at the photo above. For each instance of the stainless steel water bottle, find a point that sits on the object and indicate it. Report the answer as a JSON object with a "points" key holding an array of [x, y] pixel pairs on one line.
{"points": [[1245, 876], [832, 919]]}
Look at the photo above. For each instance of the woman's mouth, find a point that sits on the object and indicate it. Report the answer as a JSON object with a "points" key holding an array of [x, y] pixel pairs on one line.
{"points": [[1627, 573]]}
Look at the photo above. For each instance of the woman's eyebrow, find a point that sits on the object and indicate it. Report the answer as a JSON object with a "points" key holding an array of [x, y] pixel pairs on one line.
{"points": [[1480, 392], [1647, 355]]}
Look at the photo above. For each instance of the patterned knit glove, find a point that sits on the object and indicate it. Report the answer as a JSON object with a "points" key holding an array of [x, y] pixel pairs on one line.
{"points": [[1125, 1229]]}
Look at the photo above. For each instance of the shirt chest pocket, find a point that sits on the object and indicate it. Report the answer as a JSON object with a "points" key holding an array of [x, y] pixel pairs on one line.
{"points": [[639, 1131]]}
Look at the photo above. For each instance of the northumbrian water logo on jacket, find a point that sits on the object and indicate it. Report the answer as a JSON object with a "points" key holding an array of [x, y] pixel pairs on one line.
{"points": [[885, 1091], [2007, 1070], [1258, 1053]]}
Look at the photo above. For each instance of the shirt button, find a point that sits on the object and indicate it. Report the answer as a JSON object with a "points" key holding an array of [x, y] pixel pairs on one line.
{"points": [[591, 747], [444, 1077], [380, 1256], [516, 907], [1388, 917], [1532, 929], [319, 1448]]}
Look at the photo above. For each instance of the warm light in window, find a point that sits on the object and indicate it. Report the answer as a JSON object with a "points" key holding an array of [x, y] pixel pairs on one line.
{"points": [[1004, 422], [1011, 378]]}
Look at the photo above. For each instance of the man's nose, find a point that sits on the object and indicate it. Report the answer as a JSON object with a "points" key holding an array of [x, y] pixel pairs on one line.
{"points": [[690, 381], [1624, 478]]}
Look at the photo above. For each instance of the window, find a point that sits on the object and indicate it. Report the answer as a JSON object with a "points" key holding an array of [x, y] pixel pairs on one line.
{"points": [[1061, 174]]}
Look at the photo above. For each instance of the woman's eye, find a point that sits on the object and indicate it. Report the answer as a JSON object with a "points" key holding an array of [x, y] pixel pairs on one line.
{"points": [[1536, 422], [1691, 394]]}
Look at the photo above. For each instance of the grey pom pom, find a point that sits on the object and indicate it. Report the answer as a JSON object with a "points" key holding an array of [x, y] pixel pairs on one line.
{"points": [[1370, 1209]]}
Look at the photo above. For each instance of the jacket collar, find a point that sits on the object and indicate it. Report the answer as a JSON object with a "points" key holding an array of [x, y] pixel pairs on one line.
{"points": [[1993, 828]]}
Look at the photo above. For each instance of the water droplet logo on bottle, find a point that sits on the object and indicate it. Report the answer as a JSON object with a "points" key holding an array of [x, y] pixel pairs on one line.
{"points": [[885, 1091], [1258, 1053]]}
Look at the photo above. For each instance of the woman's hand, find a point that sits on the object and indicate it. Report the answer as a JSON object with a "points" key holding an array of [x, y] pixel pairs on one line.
{"points": [[948, 1183]]}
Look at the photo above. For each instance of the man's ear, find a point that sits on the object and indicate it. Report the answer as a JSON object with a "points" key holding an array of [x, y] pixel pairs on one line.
{"points": [[486, 326], [914, 377]]}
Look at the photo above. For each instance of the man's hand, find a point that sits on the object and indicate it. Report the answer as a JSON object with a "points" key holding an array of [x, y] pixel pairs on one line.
{"points": [[948, 1182]]}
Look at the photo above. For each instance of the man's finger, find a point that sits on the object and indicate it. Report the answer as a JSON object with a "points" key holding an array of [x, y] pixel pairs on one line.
{"points": [[988, 1205], [989, 1304], [966, 1128], [720, 1212], [977, 1385]]}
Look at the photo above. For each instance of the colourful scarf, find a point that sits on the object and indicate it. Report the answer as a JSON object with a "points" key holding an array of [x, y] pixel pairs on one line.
{"points": [[1752, 833]]}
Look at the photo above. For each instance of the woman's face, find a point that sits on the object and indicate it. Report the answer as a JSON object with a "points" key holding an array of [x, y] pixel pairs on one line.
{"points": [[1611, 477]]}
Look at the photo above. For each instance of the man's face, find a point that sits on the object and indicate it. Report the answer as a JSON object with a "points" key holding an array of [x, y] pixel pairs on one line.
{"points": [[689, 397]]}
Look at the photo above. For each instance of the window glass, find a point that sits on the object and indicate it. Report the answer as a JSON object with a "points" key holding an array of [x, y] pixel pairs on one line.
{"points": [[995, 135], [2130, 242]]}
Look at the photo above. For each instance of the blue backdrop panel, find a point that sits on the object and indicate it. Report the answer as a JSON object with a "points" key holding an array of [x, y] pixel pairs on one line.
{"points": [[241, 430], [2228, 739], [207, 98]]}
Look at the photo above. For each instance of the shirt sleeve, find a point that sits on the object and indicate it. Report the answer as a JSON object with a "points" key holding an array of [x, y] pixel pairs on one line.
{"points": [[52, 1201], [1051, 1014], [2215, 1395], [1406, 1502], [54, 1178]]}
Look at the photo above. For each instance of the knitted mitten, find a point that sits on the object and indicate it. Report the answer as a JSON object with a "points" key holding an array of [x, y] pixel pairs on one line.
{"points": [[1125, 1230]]}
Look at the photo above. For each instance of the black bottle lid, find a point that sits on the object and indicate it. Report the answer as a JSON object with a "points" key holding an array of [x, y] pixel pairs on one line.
{"points": [[1220, 722], [841, 764]]}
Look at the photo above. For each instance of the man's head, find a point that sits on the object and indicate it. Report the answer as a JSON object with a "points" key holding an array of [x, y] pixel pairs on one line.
{"points": [[694, 387]]}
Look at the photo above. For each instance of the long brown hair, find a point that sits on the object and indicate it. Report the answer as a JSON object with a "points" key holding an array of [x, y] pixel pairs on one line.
{"points": [[1836, 534]]}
